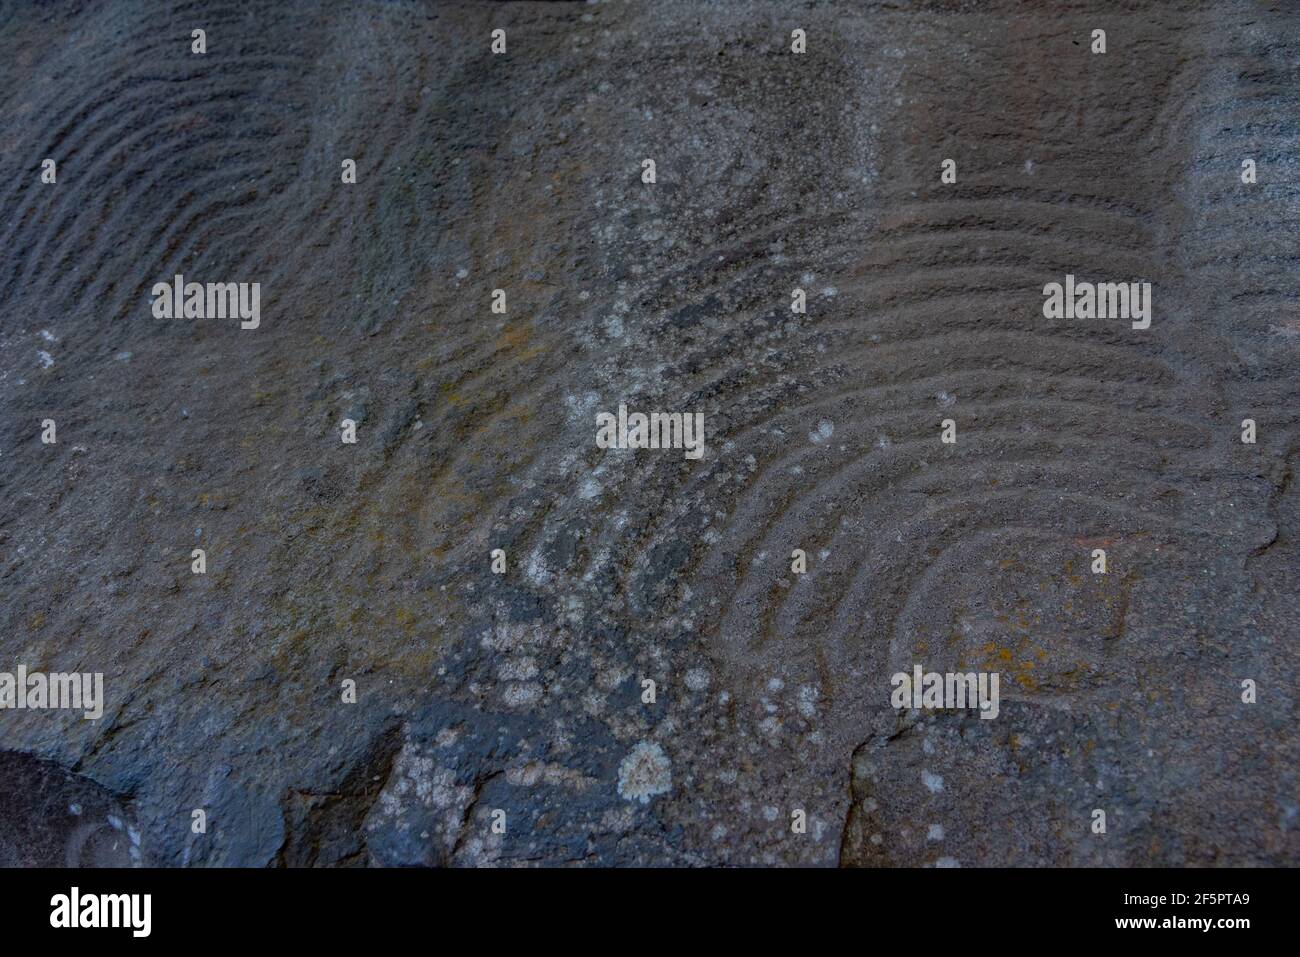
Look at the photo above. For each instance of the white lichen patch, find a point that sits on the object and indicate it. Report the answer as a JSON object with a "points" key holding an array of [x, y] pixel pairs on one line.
{"points": [[808, 696], [610, 677], [593, 702], [417, 781], [554, 775], [517, 669], [697, 679], [618, 821], [536, 569], [522, 695], [644, 773]]}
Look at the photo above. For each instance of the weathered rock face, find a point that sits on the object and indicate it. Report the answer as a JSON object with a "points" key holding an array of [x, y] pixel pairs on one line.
{"points": [[54, 818], [522, 692]]}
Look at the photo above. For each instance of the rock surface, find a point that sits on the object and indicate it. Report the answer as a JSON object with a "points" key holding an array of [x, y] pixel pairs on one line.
{"points": [[522, 692]]}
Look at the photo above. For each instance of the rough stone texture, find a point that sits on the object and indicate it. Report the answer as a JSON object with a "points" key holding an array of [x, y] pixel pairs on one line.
{"points": [[522, 692], [54, 818]]}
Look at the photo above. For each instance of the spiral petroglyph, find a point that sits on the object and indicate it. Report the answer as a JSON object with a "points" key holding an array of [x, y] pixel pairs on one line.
{"points": [[381, 567]]}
